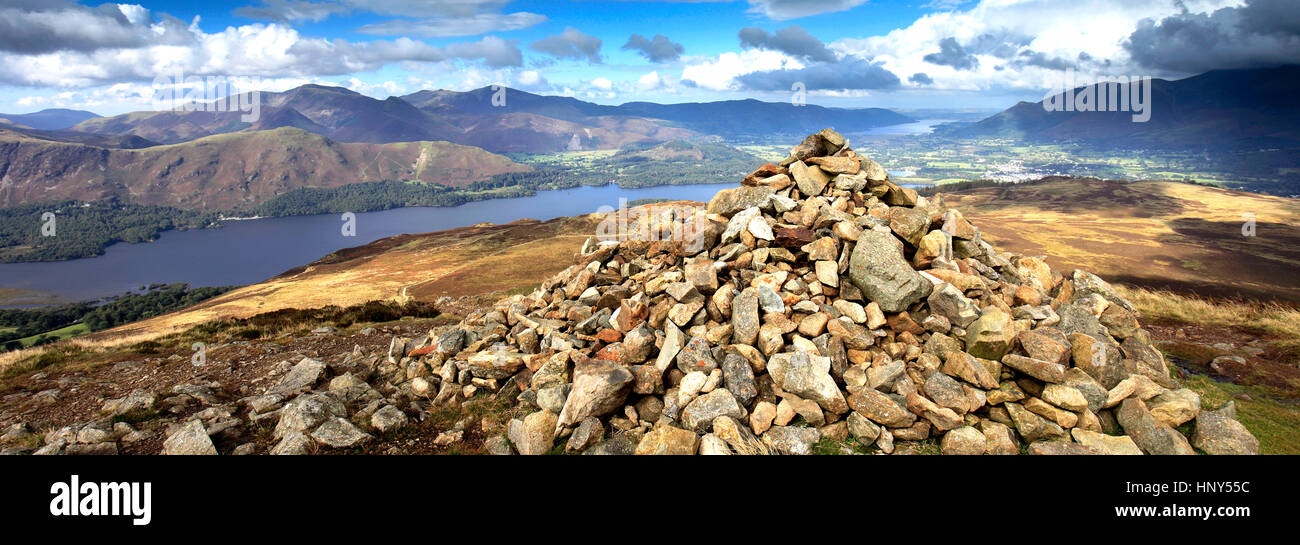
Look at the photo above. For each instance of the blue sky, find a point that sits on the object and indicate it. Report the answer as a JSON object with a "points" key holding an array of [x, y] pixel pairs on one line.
{"points": [[892, 53]]}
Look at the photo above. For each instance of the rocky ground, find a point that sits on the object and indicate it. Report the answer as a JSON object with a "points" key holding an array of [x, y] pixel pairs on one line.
{"points": [[827, 310], [164, 403]]}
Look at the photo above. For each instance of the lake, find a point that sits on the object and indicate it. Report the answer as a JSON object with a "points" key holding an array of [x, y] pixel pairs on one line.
{"points": [[918, 127], [249, 251]]}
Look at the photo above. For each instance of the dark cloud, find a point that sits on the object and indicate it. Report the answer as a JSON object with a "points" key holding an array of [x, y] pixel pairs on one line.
{"points": [[62, 26], [317, 10], [570, 44], [848, 74], [952, 54], [439, 27], [286, 11], [920, 78], [781, 10], [1003, 44], [657, 49], [1042, 60], [792, 40], [1260, 33]]}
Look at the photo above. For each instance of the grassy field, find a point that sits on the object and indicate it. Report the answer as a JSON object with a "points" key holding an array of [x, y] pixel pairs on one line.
{"points": [[939, 159], [1160, 235], [61, 333], [1270, 413]]}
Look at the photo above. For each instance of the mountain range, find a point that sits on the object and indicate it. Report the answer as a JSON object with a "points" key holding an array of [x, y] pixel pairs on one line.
{"points": [[1217, 110], [226, 171], [527, 122], [318, 136], [50, 119]]}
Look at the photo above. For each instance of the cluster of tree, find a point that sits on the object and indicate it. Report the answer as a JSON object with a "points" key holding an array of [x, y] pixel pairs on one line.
{"points": [[79, 229], [156, 300], [374, 196], [33, 321]]}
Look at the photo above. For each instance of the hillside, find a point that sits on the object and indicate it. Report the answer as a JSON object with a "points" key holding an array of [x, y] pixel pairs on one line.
{"points": [[418, 267], [1159, 235], [1218, 110], [228, 171]]}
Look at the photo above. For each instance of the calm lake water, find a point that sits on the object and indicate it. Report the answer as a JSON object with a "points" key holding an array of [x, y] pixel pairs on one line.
{"points": [[920, 126], [249, 251]]}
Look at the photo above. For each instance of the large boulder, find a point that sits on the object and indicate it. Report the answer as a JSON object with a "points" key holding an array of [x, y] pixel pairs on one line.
{"points": [[990, 336], [809, 377], [599, 388], [878, 269], [534, 434], [190, 439], [1219, 432]]}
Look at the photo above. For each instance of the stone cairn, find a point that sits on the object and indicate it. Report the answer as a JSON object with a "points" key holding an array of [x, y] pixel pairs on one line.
{"points": [[827, 310]]}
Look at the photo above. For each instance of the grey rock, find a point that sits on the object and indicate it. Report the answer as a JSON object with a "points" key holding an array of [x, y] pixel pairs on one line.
{"points": [[294, 443], [136, 401], [339, 433], [808, 377], [1219, 432], [301, 377], [949, 302], [552, 397], [190, 439], [877, 267], [698, 415], [738, 377], [744, 317], [599, 388], [306, 412], [696, 356], [1152, 436], [388, 418], [792, 440], [589, 432], [533, 435]]}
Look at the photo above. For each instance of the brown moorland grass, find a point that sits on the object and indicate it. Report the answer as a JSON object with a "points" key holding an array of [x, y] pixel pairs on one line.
{"points": [[1157, 235]]}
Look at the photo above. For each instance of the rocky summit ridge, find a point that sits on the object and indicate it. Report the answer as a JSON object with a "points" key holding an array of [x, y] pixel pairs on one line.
{"points": [[823, 302]]}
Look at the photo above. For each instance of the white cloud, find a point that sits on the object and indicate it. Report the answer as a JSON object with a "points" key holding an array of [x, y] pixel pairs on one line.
{"points": [[530, 77], [269, 50], [384, 89], [720, 73], [602, 84], [649, 82], [1025, 30]]}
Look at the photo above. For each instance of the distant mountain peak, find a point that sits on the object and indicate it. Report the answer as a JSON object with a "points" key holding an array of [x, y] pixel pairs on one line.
{"points": [[49, 119]]}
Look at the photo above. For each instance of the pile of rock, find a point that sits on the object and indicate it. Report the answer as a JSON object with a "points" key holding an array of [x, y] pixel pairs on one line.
{"points": [[827, 306], [308, 407]]}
